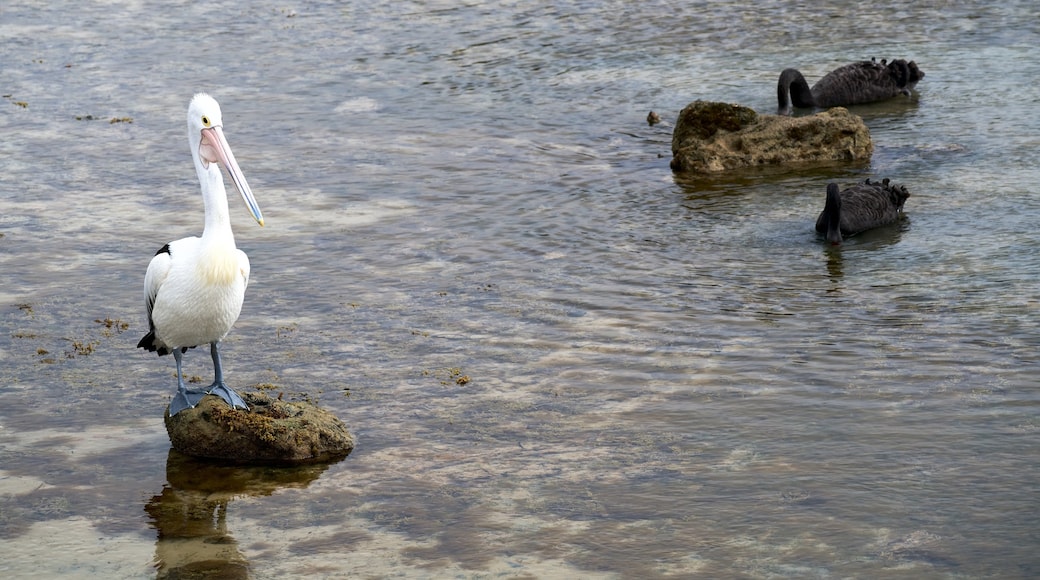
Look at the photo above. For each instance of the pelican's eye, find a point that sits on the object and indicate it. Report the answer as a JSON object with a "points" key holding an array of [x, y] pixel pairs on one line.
{"points": [[205, 121]]}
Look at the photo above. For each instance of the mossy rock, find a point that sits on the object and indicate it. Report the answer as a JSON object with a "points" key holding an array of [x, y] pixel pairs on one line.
{"points": [[711, 137], [271, 431], [702, 119]]}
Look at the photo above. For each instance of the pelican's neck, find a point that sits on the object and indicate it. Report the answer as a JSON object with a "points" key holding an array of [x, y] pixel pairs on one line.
{"points": [[218, 220]]}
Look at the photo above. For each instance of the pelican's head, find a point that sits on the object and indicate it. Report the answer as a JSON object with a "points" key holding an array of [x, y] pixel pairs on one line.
{"points": [[206, 134]]}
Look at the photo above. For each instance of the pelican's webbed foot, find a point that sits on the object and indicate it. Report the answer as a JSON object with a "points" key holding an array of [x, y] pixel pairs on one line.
{"points": [[185, 399], [233, 399]]}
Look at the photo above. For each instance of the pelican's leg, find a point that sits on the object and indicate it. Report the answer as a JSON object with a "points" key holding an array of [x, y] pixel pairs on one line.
{"points": [[184, 399], [219, 387]]}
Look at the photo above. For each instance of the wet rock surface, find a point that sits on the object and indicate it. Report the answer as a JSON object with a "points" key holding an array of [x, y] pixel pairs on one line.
{"points": [[710, 137], [271, 431]]}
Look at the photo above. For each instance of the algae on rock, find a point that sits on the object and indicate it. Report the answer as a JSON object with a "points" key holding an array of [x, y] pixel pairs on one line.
{"points": [[270, 431], [710, 137]]}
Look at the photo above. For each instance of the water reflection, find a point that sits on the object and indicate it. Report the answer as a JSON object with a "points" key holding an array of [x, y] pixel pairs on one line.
{"points": [[835, 266], [190, 513], [880, 237], [890, 109]]}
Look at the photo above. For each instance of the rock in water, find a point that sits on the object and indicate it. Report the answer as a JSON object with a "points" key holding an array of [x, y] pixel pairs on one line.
{"points": [[271, 431], [710, 137]]}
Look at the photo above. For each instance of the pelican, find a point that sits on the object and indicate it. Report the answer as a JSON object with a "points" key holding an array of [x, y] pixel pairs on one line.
{"points": [[859, 208], [853, 84], [194, 287]]}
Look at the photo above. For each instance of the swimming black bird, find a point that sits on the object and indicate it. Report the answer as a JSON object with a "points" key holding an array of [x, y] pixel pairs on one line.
{"points": [[859, 208], [853, 84]]}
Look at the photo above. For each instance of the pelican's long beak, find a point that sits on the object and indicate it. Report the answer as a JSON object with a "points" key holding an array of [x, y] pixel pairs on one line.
{"points": [[215, 149]]}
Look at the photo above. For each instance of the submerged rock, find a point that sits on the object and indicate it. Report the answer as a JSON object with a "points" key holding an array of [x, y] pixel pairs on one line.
{"points": [[710, 137], [271, 431]]}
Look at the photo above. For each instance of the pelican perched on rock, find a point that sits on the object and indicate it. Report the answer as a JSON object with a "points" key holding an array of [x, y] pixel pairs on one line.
{"points": [[194, 286], [859, 208], [853, 84]]}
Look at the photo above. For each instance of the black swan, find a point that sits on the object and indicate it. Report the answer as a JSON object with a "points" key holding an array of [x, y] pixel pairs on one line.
{"points": [[853, 84], [859, 208]]}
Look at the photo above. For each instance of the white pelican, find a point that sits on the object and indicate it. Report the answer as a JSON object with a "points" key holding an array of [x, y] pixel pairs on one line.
{"points": [[194, 286]]}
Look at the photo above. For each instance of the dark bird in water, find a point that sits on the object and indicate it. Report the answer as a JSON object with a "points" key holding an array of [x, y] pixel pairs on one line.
{"points": [[859, 208], [853, 84]]}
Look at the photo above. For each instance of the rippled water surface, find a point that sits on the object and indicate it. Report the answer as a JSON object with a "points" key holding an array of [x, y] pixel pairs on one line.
{"points": [[558, 358]]}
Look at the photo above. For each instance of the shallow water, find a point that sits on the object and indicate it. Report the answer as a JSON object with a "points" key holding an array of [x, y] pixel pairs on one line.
{"points": [[666, 376]]}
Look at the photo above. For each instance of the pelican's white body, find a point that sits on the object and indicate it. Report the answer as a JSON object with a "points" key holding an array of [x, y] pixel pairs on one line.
{"points": [[198, 287], [194, 286]]}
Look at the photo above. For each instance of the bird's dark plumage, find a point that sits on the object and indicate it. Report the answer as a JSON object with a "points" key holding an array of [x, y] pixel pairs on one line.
{"points": [[853, 84], [859, 208], [148, 342]]}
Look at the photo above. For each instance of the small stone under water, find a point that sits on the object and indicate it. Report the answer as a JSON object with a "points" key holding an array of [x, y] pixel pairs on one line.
{"points": [[271, 431]]}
